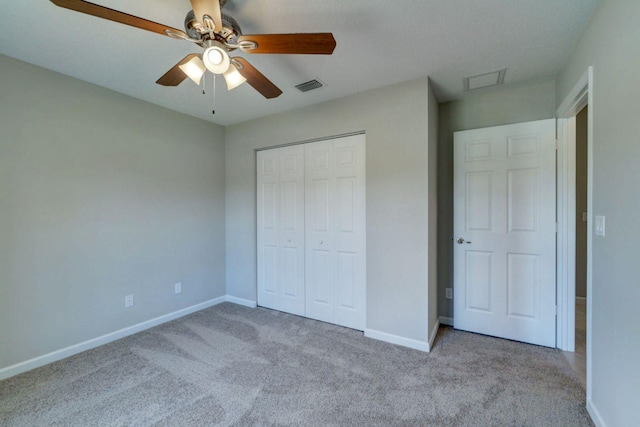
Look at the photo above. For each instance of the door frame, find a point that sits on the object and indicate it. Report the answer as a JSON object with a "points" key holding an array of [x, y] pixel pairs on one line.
{"points": [[580, 96]]}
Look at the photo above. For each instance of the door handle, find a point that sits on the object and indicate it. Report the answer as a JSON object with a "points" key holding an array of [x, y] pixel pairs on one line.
{"points": [[460, 241]]}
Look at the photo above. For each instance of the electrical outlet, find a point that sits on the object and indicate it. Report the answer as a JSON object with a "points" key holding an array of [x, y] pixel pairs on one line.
{"points": [[128, 301], [449, 293], [178, 288]]}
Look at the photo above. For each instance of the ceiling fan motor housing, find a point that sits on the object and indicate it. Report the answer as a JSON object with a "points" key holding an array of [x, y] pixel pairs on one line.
{"points": [[229, 33]]}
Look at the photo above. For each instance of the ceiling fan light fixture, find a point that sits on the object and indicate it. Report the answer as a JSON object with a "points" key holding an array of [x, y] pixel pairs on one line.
{"points": [[233, 77], [216, 59], [194, 69]]}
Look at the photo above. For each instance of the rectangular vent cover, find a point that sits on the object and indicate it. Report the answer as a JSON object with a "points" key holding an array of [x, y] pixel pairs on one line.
{"points": [[493, 78], [310, 85]]}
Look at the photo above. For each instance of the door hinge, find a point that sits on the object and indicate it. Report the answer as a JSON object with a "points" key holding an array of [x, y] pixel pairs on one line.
{"points": [[557, 144], [558, 227], [557, 310]]}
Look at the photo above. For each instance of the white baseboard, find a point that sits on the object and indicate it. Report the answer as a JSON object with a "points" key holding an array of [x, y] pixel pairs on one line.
{"points": [[241, 301], [434, 333], [595, 415], [63, 353], [396, 339], [446, 321]]}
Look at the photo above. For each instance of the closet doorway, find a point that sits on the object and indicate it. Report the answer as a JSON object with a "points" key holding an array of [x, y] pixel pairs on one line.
{"points": [[311, 224]]}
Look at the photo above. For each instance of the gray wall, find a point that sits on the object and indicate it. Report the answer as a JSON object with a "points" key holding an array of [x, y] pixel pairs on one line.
{"points": [[484, 109], [101, 195], [395, 121], [611, 44], [581, 202]]}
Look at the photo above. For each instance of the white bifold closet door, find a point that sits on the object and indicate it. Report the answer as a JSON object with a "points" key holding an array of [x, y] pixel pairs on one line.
{"points": [[280, 224], [335, 231], [311, 230]]}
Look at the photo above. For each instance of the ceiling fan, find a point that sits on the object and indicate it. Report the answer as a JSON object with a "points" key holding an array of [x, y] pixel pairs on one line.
{"points": [[218, 34]]}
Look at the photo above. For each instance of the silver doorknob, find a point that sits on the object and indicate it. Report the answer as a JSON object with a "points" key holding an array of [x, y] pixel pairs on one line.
{"points": [[460, 241]]}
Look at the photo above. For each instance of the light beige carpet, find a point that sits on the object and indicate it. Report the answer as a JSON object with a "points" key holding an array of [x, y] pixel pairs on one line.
{"points": [[231, 365]]}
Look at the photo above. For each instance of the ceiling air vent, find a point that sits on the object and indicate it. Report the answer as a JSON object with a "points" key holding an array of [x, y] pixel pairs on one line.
{"points": [[310, 85], [493, 78]]}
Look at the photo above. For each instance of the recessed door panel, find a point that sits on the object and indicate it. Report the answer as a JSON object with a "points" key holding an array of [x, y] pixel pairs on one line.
{"points": [[522, 196], [346, 279], [320, 195], [319, 159], [290, 164], [523, 146], [290, 205], [319, 278], [478, 150], [345, 157], [269, 203], [523, 285], [290, 271], [269, 166], [270, 264], [346, 204], [479, 198], [478, 280]]}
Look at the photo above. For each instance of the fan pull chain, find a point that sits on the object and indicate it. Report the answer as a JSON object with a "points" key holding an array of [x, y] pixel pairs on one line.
{"points": [[204, 85], [214, 95]]}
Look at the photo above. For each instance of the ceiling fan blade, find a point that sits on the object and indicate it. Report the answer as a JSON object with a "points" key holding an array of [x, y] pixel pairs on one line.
{"points": [[210, 8], [304, 43], [175, 75], [256, 79], [116, 16]]}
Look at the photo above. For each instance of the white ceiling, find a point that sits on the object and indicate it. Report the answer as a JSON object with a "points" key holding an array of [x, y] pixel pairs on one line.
{"points": [[379, 43]]}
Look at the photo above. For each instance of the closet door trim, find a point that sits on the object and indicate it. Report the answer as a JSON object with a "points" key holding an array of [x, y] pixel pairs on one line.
{"points": [[309, 141]]}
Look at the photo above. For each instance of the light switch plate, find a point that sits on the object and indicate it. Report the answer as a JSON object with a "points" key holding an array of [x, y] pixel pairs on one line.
{"points": [[585, 217], [600, 225]]}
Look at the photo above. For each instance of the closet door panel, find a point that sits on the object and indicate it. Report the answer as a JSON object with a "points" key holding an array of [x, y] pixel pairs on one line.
{"points": [[335, 231], [268, 165], [280, 205], [350, 231], [292, 295], [319, 205]]}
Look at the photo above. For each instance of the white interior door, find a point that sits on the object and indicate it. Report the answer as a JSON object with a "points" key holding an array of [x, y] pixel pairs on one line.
{"points": [[335, 231], [280, 224], [505, 231]]}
